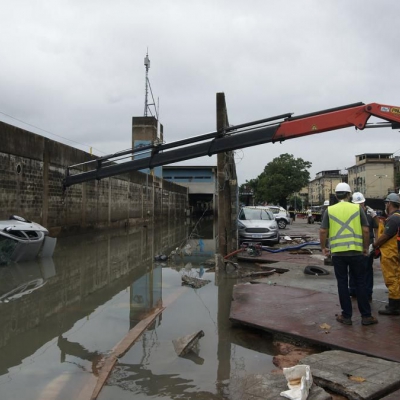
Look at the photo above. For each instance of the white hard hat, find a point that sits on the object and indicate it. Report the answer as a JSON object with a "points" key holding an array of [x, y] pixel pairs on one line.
{"points": [[326, 203], [342, 187], [358, 198]]}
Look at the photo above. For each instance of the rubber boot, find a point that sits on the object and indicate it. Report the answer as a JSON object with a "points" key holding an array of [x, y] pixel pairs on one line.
{"points": [[393, 303], [393, 308]]}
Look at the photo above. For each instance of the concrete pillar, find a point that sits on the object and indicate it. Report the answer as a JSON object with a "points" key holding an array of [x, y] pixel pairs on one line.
{"points": [[144, 129]]}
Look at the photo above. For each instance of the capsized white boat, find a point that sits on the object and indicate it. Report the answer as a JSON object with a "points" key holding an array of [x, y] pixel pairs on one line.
{"points": [[23, 240]]}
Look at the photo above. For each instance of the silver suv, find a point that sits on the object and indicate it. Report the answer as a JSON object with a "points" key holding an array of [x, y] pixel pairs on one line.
{"points": [[281, 215], [257, 224]]}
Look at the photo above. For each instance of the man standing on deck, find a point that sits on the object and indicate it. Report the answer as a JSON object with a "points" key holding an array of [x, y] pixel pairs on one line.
{"points": [[346, 226]]}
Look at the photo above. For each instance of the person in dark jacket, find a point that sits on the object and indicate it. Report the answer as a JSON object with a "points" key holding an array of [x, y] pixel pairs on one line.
{"points": [[373, 222]]}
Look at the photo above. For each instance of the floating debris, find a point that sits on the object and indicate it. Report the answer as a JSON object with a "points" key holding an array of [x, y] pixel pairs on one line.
{"points": [[229, 263], [193, 282], [185, 344], [187, 250]]}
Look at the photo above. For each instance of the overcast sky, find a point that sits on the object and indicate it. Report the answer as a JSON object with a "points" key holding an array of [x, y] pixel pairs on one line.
{"points": [[75, 69]]}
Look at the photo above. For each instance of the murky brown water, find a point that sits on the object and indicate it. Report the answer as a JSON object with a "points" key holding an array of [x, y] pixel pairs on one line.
{"points": [[60, 316]]}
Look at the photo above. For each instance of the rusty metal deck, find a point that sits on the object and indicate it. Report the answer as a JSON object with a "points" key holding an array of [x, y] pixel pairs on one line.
{"points": [[299, 313]]}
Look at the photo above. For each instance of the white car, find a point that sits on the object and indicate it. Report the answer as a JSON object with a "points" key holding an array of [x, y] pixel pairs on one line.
{"points": [[257, 224], [281, 215]]}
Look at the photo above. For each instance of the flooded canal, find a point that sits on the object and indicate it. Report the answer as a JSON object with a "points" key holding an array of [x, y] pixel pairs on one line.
{"points": [[61, 316]]}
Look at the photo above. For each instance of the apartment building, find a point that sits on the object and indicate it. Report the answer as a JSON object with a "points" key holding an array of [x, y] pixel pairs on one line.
{"points": [[324, 183], [373, 174]]}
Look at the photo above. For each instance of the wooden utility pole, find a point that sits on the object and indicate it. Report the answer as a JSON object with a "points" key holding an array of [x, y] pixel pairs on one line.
{"points": [[227, 188]]}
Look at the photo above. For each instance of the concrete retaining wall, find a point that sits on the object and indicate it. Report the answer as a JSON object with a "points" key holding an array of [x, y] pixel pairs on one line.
{"points": [[31, 172]]}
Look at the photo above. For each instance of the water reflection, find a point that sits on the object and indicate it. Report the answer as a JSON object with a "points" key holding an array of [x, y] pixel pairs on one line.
{"points": [[42, 301], [23, 279], [61, 317], [145, 295]]}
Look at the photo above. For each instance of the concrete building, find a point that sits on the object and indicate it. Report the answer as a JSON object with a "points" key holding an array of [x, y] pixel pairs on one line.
{"points": [[373, 174], [397, 173], [303, 194], [324, 183], [146, 131], [201, 182]]}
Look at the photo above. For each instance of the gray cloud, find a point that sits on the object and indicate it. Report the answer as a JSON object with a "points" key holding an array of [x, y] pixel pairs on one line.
{"points": [[75, 68]]}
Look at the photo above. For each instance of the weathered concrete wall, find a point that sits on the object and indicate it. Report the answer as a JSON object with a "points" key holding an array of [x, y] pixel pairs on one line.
{"points": [[31, 172]]}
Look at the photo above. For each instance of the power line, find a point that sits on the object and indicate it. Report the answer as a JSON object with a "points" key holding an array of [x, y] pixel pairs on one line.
{"points": [[50, 133]]}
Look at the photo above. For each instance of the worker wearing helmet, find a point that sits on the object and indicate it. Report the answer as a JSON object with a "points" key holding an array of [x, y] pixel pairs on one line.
{"points": [[324, 208], [387, 243], [373, 221], [346, 226]]}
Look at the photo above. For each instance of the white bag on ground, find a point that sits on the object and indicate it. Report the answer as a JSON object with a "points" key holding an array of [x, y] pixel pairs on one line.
{"points": [[299, 380]]}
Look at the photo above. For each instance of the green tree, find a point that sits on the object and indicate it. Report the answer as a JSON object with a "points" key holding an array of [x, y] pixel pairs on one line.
{"points": [[282, 177], [246, 192]]}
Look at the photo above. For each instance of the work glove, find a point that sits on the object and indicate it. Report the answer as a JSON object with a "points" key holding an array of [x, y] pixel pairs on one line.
{"points": [[377, 253], [371, 249], [371, 212]]}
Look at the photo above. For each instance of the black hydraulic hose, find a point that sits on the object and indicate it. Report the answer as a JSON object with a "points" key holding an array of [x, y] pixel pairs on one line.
{"points": [[299, 246]]}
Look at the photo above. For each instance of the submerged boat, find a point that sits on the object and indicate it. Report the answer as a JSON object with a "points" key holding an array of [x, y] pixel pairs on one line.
{"points": [[23, 240]]}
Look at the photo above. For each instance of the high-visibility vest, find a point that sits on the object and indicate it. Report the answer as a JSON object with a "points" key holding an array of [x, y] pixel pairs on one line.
{"points": [[345, 231]]}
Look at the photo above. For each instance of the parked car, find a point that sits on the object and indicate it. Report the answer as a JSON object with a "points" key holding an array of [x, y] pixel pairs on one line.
{"points": [[257, 223], [281, 215]]}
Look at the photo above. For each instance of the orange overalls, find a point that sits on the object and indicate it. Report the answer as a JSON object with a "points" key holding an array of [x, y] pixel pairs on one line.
{"points": [[390, 264]]}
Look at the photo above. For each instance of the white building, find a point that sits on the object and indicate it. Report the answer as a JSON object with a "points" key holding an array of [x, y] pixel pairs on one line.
{"points": [[372, 175]]}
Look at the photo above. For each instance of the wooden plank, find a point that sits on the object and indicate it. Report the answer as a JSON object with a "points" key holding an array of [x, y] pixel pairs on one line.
{"points": [[120, 349]]}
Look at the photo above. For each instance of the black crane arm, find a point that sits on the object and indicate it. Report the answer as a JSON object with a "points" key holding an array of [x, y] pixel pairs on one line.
{"points": [[241, 136]]}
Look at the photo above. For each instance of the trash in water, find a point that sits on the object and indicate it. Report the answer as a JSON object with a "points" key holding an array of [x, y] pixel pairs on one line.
{"points": [[185, 344], [194, 282], [187, 250]]}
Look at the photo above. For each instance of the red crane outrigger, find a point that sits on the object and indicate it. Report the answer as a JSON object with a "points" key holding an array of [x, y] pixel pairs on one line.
{"points": [[342, 117]]}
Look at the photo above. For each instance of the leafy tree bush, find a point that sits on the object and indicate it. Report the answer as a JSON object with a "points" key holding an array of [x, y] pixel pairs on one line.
{"points": [[281, 177]]}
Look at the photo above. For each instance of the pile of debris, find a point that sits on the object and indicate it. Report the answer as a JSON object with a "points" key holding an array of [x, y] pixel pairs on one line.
{"points": [[193, 282]]}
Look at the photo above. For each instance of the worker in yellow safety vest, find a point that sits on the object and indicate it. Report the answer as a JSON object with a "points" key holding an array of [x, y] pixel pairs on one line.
{"points": [[346, 226], [387, 244]]}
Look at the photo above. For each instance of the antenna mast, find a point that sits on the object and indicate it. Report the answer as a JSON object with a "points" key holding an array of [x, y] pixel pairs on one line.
{"points": [[147, 65]]}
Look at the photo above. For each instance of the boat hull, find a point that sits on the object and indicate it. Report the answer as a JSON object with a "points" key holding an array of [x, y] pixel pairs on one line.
{"points": [[24, 241]]}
